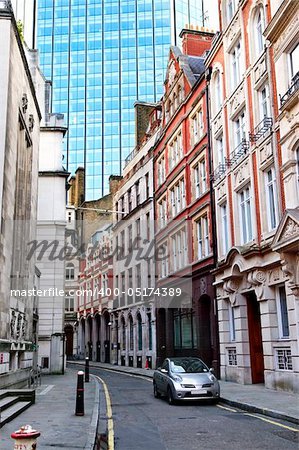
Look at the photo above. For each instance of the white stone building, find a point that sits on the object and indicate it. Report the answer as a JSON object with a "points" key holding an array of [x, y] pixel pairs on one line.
{"points": [[51, 225], [133, 327], [19, 146], [283, 36], [257, 310]]}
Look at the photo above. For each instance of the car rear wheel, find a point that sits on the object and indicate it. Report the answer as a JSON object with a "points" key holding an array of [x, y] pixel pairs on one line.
{"points": [[156, 392], [170, 397]]}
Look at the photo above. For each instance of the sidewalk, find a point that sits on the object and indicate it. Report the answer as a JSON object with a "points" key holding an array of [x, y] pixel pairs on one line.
{"points": [[53, 415], [251, 397]]}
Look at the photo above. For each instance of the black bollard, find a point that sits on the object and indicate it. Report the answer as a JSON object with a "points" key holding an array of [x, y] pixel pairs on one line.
{"points": [[80, 394], [86, 370]]}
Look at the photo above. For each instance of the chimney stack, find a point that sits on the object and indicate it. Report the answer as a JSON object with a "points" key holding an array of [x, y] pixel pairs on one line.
{"points": [[196, 40]]}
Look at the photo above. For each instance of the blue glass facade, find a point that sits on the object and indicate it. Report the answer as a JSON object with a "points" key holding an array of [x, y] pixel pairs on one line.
{"points": [[102, 56]]}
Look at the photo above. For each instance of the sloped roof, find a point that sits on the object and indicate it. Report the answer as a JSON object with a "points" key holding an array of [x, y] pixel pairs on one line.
{"points": [[197, 65]]}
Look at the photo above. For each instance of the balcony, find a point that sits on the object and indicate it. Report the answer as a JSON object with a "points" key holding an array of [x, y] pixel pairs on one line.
{"points": [[219, 171], [261, 129], [241, 150], [291, 91], [131, 155]]}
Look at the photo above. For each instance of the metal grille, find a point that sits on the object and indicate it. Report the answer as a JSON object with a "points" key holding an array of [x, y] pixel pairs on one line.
{"points": [[284, 359], [232, 356]]}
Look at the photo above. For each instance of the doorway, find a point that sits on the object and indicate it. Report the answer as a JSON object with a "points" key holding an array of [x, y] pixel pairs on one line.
{"points": [[255, 339], [69, 337]]}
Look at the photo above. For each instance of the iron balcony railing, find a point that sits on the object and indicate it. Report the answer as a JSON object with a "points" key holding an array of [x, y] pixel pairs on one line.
{"points": [[261, 129], [131, 155], [219, 171], [292, 89], [241, 150]]}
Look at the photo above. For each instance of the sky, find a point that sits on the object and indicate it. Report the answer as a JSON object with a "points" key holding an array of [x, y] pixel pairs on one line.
{"points": [[212, 9]]}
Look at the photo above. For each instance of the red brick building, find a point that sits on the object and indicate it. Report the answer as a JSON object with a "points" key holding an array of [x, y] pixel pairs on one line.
{"points": [[183, 222]]}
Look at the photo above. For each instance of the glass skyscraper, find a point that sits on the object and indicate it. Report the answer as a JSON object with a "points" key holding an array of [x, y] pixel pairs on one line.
{"points": [[102, 56]]}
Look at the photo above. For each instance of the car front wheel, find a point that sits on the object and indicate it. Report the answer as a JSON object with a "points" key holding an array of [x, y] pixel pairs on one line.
{"points": [[170, 396], [156, 392]]}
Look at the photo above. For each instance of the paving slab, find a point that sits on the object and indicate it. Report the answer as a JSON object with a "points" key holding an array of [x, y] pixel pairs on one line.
{"points": [[53, 415]]}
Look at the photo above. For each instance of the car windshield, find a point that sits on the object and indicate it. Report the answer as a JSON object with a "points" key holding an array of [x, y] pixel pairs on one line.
{"points": [[188, 365]]}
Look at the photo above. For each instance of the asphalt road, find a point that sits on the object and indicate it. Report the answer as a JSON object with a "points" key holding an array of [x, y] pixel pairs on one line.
{"points": [[141, 422]]}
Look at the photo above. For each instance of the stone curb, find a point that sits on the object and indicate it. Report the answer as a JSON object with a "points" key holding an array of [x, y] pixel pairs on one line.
{"points": [[93, 427], [255, 409], [237, 404]]}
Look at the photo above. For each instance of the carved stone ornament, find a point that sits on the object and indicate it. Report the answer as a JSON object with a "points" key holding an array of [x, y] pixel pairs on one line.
{"points": [[237, 100], [287, 31], [231, 287], [31, 122], [171, 73], [203, 286], [290, 266], [257, 280], [233, 30], [24, 103], [242, 174], [291, 229], [260, 70], [12, 324]]}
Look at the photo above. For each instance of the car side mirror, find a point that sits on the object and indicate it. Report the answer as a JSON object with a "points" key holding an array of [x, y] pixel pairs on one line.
{"points": [[164, 371], [212, 370]]}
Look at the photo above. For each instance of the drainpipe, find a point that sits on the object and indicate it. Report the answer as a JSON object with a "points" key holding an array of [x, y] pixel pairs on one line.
{"points": [[213, 215]]}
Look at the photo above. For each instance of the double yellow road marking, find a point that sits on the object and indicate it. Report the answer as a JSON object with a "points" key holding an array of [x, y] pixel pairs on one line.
{"points": [[108, 414]]}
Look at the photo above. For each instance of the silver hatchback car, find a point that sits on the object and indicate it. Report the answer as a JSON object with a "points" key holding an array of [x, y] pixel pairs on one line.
{"points": [[185, 378]]}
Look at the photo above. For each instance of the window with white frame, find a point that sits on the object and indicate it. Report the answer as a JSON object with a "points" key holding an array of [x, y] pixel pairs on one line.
{"points": [[239, 129], [199, 178], [264, 102], [271, 198], [179, 250], [235, 55], [197, 126], [217, 91], [294, 61], [282, 313], [161, 170], [70, 271], [137, 191], [220, 150], [284, 359], [245, 215], [163, 258], [105, 282], [162, 211], [232, 326], [177, 197], [202, 237], [259, 27], [224, 228], [230, 9], [175, 151], [69, 303]]}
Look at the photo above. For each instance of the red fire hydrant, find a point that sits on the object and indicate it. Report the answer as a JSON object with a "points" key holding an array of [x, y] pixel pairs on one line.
{"points": [[25, 438]]}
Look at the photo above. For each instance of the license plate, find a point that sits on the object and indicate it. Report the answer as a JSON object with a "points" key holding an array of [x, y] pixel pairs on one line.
{"points": [[199, 392]]}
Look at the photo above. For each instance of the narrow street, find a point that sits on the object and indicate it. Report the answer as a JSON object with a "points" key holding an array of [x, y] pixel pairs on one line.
{"points": [[141, 422]]}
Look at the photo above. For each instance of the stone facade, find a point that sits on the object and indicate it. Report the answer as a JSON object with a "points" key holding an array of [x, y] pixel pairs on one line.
{"points": [[19, 145], [258, 329], [133, 321]]}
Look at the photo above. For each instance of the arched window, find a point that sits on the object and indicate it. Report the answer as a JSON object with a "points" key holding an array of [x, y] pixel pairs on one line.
{"points": [[139, 323], [218, 91], [175, 101], [131, 331], [70, 271], [259, 26], [180, 94]]}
